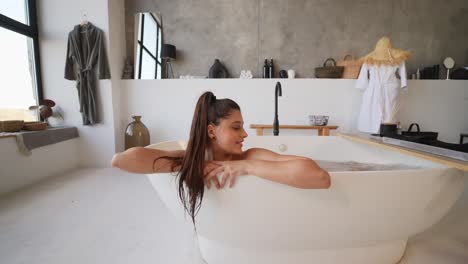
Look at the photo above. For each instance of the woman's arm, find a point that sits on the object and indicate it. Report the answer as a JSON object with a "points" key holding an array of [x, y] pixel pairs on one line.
{"points": [[300, 173], [297, 171], [141, 160]]}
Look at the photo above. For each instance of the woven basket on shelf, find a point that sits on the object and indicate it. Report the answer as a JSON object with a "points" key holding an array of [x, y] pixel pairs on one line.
{"points": [[34, 126], [11, 125], [329, 71], [351, 67]]}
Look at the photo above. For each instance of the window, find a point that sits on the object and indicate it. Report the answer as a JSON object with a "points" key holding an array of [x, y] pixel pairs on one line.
{"points": [[20, 76], [148, 48]]}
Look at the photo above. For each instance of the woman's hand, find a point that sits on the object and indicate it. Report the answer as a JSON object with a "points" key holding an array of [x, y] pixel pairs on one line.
{"points": [[209, 167], [230, 169]]}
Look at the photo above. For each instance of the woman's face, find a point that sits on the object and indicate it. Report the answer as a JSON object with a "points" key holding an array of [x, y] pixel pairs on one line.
{"points": [[229, 134]]}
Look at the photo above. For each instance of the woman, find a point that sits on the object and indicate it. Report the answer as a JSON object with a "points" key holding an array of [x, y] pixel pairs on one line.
{"points": [[215, 146]]}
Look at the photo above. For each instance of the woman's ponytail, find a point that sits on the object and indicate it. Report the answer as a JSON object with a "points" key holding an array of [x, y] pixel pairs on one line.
{"points": [[208, 111], [191, 172]]}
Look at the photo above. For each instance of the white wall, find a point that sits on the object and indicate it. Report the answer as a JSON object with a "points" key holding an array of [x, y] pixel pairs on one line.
{"points": [[18, 170], [167, 105], [57, 18], [117, 62], [96, 144], [439, 106]]}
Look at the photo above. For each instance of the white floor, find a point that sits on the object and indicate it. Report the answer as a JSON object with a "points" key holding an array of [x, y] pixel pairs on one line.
{"points": [[108, 216]]}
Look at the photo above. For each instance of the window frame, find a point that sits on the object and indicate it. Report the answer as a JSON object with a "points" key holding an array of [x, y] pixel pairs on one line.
{"points": [[141, 47], [31, 31]]}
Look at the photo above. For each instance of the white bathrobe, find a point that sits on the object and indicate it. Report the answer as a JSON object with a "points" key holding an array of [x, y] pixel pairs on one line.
{"points": [[381, 94]]}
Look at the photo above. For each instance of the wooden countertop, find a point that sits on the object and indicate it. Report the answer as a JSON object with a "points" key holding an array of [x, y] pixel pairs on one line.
{"points": [[454, 163]]}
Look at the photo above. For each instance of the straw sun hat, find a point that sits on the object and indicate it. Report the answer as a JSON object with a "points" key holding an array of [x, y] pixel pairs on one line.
{"points": [[385, 54]]}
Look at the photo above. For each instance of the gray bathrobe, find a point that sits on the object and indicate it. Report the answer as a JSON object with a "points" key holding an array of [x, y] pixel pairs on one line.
{"points": [[85, 52]]}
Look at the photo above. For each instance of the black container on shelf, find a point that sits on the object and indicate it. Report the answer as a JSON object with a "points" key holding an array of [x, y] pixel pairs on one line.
{"points": [[388, 129], [266, 69], [459, 74], [430, 73], [217, 70], [271, 69], [419, 133], [283, 74]]}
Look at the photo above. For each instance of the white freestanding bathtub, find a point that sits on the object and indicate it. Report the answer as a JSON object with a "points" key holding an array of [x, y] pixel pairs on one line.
{"points": [[364, 217]]}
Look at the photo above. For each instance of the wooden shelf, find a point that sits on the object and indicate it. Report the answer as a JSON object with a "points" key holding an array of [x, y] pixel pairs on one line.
{"points": [[322, 130]]}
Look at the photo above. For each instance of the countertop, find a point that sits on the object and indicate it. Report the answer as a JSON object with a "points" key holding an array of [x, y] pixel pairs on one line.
{"points": [[378, 141]]}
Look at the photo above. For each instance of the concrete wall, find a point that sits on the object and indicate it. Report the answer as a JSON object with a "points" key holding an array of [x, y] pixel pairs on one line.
{"points": [[167, 105], [301, 34]]}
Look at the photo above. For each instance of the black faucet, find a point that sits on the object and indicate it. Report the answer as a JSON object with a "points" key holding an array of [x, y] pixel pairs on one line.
{"points": [[278, 92]]}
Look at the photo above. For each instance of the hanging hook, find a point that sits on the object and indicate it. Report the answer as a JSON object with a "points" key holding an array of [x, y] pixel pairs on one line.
{"points": [[84, 19]]}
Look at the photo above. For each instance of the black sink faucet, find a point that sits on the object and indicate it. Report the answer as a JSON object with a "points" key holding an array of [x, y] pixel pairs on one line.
{"points": [[278, 92]]}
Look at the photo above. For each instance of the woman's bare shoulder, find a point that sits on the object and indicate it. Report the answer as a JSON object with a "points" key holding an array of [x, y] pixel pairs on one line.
{"points": [[147, 160], [253, 152], [266, 154], [256, 153]]}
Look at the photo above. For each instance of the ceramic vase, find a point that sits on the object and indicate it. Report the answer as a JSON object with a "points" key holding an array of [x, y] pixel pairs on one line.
{"points": [[136, 134]]}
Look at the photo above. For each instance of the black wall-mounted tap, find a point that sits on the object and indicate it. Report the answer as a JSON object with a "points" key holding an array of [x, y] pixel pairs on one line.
{"points": [[278, 92]]}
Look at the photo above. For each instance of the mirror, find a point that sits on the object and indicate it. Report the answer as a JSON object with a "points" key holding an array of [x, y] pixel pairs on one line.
{"points": [[449, 63], [147, 46]]}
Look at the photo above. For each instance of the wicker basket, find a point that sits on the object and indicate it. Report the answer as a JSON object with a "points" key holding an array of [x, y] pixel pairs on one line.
{"points": [[329, 71], [34, 126], [351, 67], [11, 125]]}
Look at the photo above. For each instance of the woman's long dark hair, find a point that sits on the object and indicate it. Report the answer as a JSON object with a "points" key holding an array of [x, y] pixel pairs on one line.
{"points": [[208, 110]]}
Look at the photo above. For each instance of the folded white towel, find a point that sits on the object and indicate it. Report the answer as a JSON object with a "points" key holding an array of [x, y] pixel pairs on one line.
{"points": [[246, 74]]}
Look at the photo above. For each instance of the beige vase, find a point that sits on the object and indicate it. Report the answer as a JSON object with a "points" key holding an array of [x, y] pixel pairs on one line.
{"points": [[136, 134]]}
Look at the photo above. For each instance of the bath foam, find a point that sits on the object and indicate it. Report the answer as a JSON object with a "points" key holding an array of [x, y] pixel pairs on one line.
{"points": [[329, 165]]}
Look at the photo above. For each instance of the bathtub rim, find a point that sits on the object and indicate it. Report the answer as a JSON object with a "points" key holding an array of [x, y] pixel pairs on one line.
{"points": [[431, 163], [442, 162]]}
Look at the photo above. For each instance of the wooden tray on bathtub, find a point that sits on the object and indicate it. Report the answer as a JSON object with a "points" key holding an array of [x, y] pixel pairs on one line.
{"points": [[322, 130]]}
